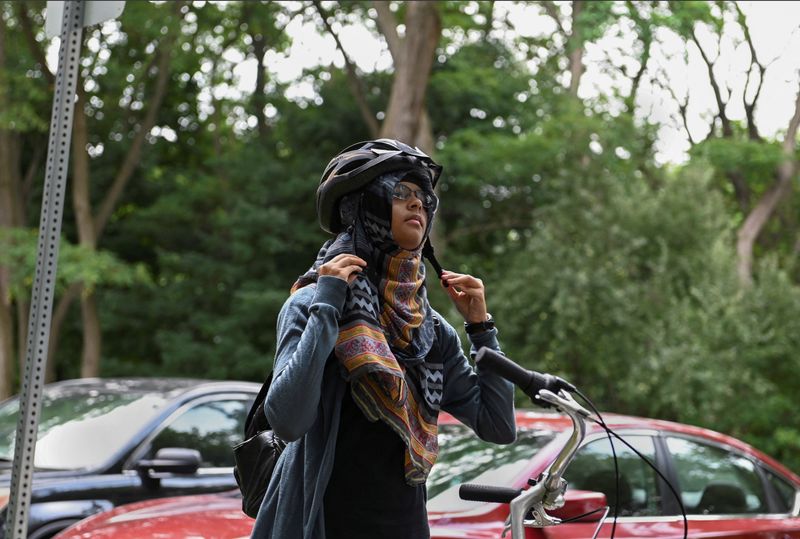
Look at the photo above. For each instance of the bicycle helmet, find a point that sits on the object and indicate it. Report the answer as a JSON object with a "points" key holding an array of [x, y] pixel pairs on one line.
{"points": [[357, 165]]}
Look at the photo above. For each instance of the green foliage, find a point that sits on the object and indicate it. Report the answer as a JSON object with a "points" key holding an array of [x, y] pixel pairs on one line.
{"points": [[593, 20], [599, 265], [684, 14], [753, 159], [75, 264]]}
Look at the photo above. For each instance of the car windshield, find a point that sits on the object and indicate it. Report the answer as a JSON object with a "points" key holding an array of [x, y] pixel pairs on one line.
{"points": [[81, 428], [465, 458]]}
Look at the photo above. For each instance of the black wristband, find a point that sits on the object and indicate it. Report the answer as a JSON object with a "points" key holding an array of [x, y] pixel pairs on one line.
{"points": [[479, 327]]}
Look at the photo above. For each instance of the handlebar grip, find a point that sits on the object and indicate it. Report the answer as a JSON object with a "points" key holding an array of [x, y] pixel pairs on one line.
{"points": [[531, 382], [487, 493], [501, 365]]}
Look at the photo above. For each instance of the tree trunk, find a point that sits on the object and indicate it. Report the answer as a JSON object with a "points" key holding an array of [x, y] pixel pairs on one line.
{"points": [[90, 356], [407, 98], [8, 176], [764, 209], [23, 314], [259, 100], [90, 228], [575, 49], [59, 316], [6, 348]]}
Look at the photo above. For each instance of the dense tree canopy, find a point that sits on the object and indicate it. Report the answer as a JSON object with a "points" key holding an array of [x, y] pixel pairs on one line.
{"points": [[670, 291]]}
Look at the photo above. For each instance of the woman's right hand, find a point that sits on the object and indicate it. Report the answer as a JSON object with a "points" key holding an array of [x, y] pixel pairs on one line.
{"points": [[343, 266]]}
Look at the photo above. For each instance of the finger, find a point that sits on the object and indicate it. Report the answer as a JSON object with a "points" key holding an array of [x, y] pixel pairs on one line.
{"points": [[347, 257], [339, 257], [347, 262], [353, 268], [452, 292], [463, 278], [466, 285]]}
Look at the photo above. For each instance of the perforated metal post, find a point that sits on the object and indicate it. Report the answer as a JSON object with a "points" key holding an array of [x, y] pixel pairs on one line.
{"points": [[46, 262]]}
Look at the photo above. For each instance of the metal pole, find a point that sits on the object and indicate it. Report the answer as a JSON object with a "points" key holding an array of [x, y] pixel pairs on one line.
{"points": [[46, 263]]}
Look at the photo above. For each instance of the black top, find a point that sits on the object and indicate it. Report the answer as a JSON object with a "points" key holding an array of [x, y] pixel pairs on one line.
{"points": [[367, 496]]}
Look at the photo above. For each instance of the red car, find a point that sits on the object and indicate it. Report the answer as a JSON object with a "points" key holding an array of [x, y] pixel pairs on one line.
{"points": [[728, 488]]}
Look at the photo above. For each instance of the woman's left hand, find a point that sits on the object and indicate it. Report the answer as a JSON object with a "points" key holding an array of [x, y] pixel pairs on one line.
{"points": [[467, 294]]}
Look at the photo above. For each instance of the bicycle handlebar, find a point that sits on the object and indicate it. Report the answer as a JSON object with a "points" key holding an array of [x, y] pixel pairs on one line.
{"points": [[486, 493], [548, 490], [531, 382]]}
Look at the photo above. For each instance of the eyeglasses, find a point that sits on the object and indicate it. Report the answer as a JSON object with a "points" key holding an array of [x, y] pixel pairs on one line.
{"points": [[404, 192]]}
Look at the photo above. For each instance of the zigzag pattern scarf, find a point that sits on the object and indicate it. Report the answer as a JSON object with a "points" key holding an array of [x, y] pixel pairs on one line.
{"points": [[386, 329]]}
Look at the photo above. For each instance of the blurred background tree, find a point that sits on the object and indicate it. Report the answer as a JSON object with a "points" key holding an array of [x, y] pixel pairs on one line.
{"points": [[662, 290]]}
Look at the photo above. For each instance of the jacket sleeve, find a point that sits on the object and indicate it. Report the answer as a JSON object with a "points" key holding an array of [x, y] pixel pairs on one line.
{"points": [[478, 398], [307, 332]]}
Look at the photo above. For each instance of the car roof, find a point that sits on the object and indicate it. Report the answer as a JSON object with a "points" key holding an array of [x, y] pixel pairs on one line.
{"points": [[170, 387]]}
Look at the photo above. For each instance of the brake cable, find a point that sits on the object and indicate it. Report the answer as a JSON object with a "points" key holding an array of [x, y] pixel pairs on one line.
{"points": [[610, 432]]}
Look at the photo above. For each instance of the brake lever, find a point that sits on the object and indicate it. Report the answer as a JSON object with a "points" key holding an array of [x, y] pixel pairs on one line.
{"points": [[531, 501]]}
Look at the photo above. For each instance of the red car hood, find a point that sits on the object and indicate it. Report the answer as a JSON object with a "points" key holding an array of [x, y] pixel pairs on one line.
{"points": [[169, 518]]}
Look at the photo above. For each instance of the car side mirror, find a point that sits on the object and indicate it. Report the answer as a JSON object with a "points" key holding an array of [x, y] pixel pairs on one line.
{"points": [[168, 460], [582, 502]]}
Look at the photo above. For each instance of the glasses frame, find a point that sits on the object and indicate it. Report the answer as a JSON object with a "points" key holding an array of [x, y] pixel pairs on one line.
{"points": [[428, 200]]}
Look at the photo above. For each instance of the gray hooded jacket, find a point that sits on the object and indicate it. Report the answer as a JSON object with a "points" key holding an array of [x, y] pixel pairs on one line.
{"points": [[304, 403]]}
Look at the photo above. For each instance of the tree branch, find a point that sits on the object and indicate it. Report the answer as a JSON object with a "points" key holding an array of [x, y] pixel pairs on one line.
{"points": [[33, 45], [790, 141], [755, 221], [59, 316], [489, 19], [749, 107], [637, 79], [353, 80], [131, 160], [30, 176], [682, 107], [727, 130], [388, 27], [552, 10]]}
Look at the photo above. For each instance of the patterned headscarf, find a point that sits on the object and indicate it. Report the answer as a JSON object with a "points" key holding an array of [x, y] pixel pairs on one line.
{"points": [[386, 329]]}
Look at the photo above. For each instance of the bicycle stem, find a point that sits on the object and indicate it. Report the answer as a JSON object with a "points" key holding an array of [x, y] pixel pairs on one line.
{"points": [[576, 413], [549, 489]]}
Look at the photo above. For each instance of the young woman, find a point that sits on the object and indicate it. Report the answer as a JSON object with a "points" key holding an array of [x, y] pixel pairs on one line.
{"points": [[364, 364]]}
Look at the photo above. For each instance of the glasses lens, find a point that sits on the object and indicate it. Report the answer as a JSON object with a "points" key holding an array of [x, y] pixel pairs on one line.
{"points": [[403, 192]]}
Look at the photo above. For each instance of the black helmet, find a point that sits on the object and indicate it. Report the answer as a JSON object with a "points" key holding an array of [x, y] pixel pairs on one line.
{"points": [[357, 165]]}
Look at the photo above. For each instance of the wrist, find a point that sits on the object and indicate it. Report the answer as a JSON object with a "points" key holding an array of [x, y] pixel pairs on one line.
{"points": [[473, 328]]}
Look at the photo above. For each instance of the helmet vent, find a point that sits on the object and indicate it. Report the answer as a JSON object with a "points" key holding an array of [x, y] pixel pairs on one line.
{"points": [[352, 165]]}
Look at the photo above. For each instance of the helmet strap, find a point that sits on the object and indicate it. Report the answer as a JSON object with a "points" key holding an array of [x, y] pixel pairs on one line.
{"points": [[427, 252]]}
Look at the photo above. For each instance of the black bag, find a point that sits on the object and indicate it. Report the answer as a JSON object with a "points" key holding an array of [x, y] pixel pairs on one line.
{"points": [[256, 456]]}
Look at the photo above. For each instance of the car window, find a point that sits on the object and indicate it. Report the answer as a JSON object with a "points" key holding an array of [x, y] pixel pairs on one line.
{"points": [[593, 470], [212, 428], [465, 458], [109, 418], [715, 481], [785, 490]]}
